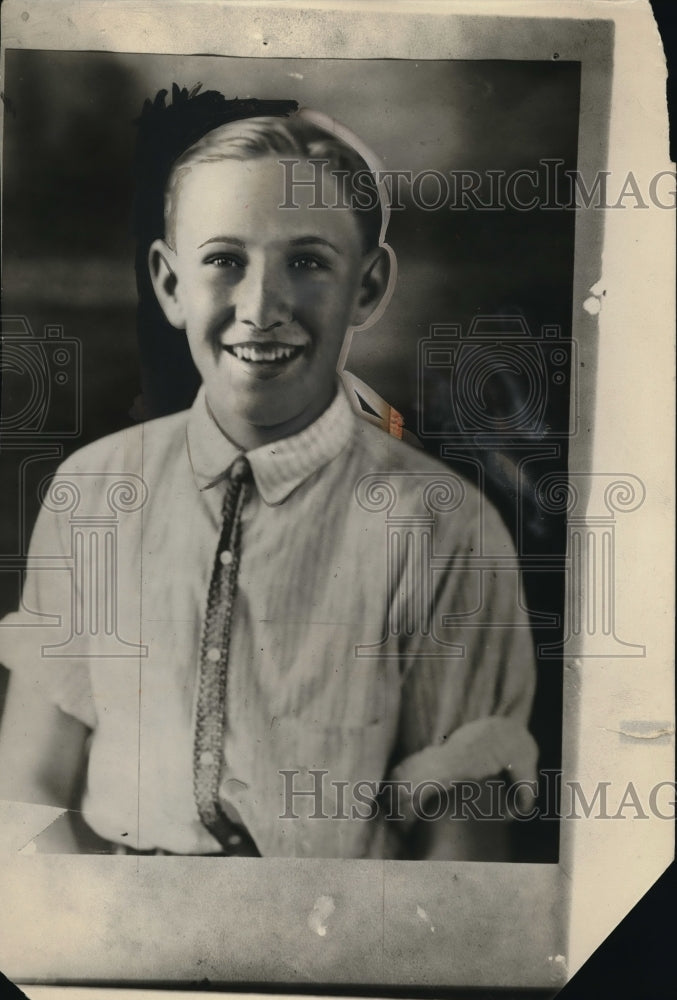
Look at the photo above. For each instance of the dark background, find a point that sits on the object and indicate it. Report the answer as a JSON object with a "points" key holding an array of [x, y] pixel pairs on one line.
{"points": [[69, 252]]}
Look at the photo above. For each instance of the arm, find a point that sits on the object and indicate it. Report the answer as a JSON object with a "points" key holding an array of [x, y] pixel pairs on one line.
{"points": [[42, 753], [49, 711], [463, 714], [473, 825]]}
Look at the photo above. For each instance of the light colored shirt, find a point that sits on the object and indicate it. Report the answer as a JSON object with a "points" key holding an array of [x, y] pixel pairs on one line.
{"points": [[378, 611]]}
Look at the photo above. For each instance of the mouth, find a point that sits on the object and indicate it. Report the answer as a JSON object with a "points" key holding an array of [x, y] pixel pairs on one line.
{"points": [[269, 353]]}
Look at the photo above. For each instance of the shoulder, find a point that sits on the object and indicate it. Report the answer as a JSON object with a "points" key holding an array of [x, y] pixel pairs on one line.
{"points": [[130, 449], [119, 469], [384, 452], [422, 485], [381, 456]]}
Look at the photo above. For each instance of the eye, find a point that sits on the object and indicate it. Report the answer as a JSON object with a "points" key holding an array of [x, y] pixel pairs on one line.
{"points": [[225, 260], [308, 262]]}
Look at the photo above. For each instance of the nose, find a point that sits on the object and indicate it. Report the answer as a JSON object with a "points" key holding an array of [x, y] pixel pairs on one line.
{"points": [[263, 301]]}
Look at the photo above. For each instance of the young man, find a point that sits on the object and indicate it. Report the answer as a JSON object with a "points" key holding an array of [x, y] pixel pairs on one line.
{"points": [[300, 586]]}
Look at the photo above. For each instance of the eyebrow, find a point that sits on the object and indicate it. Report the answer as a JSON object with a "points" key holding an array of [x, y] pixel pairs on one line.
{"points": [[300, 241], [304, 241], [223, 239]]}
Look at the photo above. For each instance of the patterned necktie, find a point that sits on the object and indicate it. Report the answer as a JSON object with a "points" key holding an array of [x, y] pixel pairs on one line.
{"points": [[210, 719]]}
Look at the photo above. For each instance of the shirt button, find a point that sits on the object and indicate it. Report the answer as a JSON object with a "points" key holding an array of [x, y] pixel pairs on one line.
{"points": [[214, 654], [207, 758], [226, 557], [234, 839]]}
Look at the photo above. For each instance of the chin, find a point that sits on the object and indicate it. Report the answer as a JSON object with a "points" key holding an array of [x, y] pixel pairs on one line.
{"points": [[268, 420], [265, 406], [262, 414]]}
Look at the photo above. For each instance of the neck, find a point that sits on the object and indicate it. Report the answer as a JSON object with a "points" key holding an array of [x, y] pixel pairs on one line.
{"points": [[248, 436]]}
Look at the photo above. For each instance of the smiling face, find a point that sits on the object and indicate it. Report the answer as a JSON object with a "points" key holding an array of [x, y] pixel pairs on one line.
{"points": [[265, 294]]}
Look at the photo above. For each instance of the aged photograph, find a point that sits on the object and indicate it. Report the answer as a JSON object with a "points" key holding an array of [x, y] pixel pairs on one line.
{"points": [[301, 565]]}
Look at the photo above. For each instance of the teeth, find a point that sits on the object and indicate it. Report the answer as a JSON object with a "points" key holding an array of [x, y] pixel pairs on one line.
{"points": [[254, 353]]}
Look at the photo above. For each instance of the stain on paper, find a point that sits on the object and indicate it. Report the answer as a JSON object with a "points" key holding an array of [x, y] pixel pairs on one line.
{"points": [[639, 729], [320, 913], [422, 915], [593, 303]]}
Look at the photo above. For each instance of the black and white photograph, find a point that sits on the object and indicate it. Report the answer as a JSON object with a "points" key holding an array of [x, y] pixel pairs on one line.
{"points": [[313, 568]]}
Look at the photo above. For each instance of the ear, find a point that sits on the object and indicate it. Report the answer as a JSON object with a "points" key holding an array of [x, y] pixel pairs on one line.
{"points": [[374, 283], [162, 265]]}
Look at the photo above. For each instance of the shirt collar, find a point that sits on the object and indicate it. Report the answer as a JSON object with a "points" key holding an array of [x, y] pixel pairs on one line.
{"points": [[279, 467]]}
